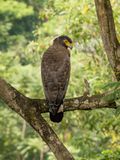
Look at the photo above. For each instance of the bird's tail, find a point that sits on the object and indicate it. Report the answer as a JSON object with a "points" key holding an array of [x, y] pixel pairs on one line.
{"points": [[56, 117], [56, 113]]}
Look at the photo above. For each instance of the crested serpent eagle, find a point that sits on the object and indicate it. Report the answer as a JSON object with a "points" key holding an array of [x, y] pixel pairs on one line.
{"points": [[55, 72]]}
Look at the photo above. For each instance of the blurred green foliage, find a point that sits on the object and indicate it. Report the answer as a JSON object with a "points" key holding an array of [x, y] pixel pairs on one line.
{"points": [[27, 28]]}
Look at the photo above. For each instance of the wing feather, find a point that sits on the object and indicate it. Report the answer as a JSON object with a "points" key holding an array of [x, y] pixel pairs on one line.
{"points": [[55, 71]]}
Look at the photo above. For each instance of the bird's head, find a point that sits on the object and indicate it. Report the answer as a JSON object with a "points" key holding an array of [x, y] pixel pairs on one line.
{"points": [[64, 41]]}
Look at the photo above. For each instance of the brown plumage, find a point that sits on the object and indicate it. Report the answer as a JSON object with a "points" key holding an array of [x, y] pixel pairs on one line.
{"points": [[55, 71]]}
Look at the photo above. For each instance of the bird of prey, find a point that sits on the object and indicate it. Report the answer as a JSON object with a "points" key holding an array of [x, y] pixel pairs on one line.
{"points": [[55, 73]]}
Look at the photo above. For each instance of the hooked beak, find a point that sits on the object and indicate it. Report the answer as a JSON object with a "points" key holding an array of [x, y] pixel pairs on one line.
{"points": [[70, 45]]}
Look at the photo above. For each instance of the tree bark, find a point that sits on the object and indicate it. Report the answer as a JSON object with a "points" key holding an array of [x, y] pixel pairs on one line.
{"points": [[108, 34], [31, 109], [23, 106]]}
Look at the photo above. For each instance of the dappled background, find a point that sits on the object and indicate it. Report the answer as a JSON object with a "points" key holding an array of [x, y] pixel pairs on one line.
{"points": [[27, 28]]}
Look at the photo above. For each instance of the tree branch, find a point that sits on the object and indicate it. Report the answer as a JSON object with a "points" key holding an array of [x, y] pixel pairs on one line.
{"points": [[30, 110], [23, 106], [10, 96], [108, 34], [78, 103]]}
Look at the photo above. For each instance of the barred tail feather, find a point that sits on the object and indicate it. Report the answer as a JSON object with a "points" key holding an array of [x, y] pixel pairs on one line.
{"points": [[56, 112]]}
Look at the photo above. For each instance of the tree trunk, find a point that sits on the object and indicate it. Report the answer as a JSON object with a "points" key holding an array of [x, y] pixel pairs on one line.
{"points": [[108, 34]]}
